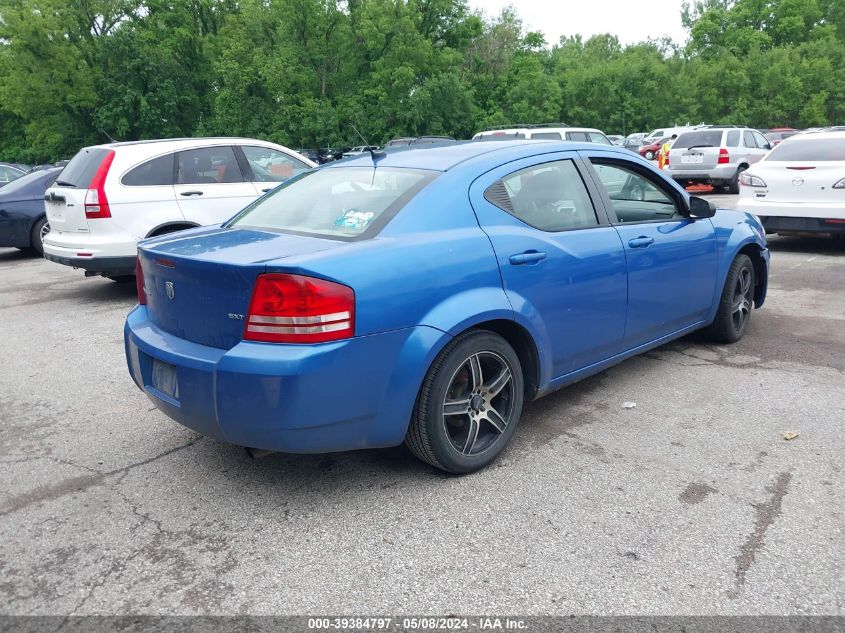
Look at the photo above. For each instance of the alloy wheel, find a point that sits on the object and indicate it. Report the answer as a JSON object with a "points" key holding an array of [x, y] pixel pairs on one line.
{"points": [[479, 403], [741, 305]]}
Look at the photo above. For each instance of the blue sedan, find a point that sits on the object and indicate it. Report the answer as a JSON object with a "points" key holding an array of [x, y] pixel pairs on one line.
{"points": [[425, 295], [23, 220]]}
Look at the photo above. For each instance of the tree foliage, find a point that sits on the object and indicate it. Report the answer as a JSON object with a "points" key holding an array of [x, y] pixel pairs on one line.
{"points": [[308, 72]]}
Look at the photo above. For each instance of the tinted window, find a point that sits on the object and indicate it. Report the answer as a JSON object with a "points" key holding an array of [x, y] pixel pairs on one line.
{"points": [[598, 137], [158, 171], [549, 197], [702, 138], [733, 139], [748, 139], [269, 165], [808, 149], [344, 202], [577, 136], [209, 165], [550, 135], [634, 197], [80, 171]]}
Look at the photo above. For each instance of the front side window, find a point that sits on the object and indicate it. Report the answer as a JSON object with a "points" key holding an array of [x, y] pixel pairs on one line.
{"points": [[748, 139], [555, 136], [761, 140], [343, 202], [550, 197], [634, 197], [270, 165], [598, 137], [208, 165], [158, 171]]}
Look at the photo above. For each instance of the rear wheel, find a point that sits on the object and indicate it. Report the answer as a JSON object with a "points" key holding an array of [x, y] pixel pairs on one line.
{"points": [[649, 155], [39, 232], [733, 185], [469, 404], [736, 304]]}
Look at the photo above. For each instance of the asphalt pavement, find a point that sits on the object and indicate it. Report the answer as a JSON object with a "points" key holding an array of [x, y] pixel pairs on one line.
{"points": [[690, 503]]}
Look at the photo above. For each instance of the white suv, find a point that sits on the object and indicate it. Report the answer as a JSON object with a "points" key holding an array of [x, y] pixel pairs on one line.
{"points": [[581, 134], [110, 196]]}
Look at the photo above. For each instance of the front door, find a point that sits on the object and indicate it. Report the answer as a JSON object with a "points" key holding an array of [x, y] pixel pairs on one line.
{"points": [[671, 258], [562, 263]]}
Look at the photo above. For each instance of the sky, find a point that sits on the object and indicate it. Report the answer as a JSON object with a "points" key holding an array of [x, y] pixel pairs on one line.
{"points": [[630, 20]]}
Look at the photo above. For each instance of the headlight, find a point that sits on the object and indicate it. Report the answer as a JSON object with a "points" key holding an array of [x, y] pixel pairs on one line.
{"points": [[840, 184], [754, 181]]}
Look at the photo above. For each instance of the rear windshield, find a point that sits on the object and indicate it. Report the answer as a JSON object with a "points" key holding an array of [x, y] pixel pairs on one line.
{"points": [[345, 203], [79, 172], [702, 138], [26, 180], [809, 149]]}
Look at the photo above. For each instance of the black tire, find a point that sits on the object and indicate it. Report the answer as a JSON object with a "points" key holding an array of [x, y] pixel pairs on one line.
{"points": [[122, 279], [649, 155], [36, 238], [438, 438], [733, 185], [736, 303]]}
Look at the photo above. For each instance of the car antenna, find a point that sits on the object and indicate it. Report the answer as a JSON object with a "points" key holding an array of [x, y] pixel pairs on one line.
{"points": [[107, 135], [376, 154]]}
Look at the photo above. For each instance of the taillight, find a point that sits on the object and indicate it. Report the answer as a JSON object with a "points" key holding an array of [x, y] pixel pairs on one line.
{"points": [[96, 202], [298, 309], [139, 282], [724, 157]]}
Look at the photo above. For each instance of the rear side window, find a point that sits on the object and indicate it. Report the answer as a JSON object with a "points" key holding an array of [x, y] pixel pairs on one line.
{"points": [[733, 139], [809, 150], [347, 203], [209, 165], [7, 174], [577, 136], [702, 138], [550, 197], [502, 136], [158, 171], [80, 171], [555, 136]]}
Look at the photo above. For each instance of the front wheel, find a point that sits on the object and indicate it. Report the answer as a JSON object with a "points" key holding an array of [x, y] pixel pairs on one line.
{"points": [[737, 301], [469, 404]]}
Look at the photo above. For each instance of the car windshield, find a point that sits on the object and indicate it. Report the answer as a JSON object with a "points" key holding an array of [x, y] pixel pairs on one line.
{"points": [[809, 149], [702, 138], [345, 203]]}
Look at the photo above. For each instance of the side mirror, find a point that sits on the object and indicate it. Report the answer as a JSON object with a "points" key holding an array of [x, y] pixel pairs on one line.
{"points": [[700, 208]]}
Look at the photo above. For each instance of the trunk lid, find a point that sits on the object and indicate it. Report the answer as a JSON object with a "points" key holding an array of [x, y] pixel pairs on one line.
{"points": [[199, 283], [696, 150], [799, 181]]}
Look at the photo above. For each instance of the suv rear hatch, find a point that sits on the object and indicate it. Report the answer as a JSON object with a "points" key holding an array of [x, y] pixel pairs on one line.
{"points": [[696, 151], [198, 283], [78, 193]]}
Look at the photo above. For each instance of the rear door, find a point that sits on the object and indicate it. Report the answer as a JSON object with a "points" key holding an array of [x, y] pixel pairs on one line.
{"points": [[266, 167], [210, 184], [671, 259], [65, 200], [562, 264], [142, 199]]}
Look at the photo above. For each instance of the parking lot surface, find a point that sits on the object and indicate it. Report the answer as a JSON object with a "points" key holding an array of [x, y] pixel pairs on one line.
{"points": [[692, 502]]}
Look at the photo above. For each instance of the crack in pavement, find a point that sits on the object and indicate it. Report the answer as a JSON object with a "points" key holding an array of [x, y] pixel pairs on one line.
{"points": [[766, 513], [77, 484]]}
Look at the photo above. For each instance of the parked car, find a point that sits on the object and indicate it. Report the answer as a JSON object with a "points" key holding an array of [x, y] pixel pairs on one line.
{"points": [[23, 222], [426, 299], [799, 187], [9, 172], [580, 134], [616, 139], [655, 135], [649, 150], [776, 135], [110, 196], [715, 156], [357, 151]]}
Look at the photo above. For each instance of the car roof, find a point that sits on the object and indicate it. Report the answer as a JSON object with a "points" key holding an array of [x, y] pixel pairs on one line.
{"points": [[815, 136], [446, 157], [186, 142], [534, 130]]}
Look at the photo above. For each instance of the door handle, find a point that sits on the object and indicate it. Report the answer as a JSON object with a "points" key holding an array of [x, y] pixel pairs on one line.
{"points": [[191, 193], [528, 257], [267, 189], [641, 242]]}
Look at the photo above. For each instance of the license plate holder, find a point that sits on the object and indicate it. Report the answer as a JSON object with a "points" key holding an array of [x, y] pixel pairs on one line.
{"points": [[692, 159], [164, 379]]}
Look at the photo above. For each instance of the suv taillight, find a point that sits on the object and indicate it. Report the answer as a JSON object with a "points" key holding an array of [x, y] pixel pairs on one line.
{"points": [[96, 202], [139, 282], [724, 157], [298, 309]]}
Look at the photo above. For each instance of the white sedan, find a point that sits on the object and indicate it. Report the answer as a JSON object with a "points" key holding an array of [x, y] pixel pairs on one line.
{"points": [[799, 187]]}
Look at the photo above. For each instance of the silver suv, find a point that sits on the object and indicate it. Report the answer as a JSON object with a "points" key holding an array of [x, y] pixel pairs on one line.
{"points": [[715, 156]]}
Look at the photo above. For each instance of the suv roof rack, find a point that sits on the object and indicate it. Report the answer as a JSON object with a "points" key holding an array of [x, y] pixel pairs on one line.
{"points": [[527, 126], [731, 125]]}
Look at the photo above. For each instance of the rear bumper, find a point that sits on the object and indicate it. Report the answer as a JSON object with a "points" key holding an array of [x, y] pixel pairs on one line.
{"points": [[722, 173], [339, 396], [763, 208], [786, 225], [105, 258]]}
